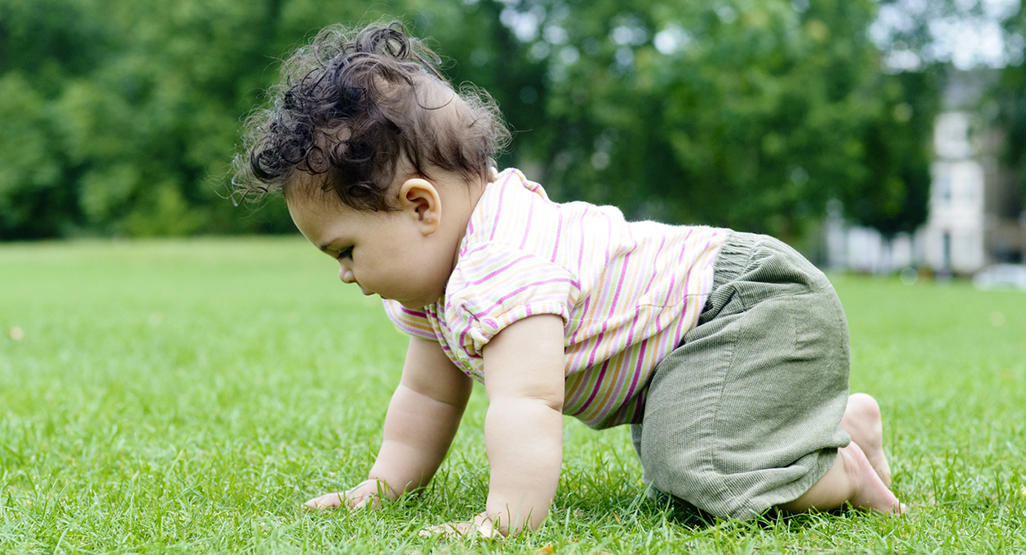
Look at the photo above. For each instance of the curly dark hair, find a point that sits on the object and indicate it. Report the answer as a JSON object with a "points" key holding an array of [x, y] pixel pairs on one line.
{"points": [[350, 105]]}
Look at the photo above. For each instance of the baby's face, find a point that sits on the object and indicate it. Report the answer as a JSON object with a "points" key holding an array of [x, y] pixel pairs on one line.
{"points": [[397, 254]]}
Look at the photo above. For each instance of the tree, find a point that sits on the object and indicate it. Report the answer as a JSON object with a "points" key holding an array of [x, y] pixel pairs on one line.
{"points": [[744, 113], [1010, 96], [894, 195], [35, 197], [121, 117]]}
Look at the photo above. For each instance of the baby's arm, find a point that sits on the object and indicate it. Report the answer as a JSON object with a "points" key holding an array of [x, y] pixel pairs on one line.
{"points": [[523, 428], [422, 419]]}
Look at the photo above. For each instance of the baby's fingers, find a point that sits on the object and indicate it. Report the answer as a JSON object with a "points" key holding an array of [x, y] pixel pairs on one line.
{"points": [[330, 501], [450, 530], [454, 530], [326, 501]]}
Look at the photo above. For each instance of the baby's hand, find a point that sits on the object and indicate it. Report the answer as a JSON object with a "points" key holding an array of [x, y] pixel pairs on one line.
{"points": [[366, 494], [480, 524]]}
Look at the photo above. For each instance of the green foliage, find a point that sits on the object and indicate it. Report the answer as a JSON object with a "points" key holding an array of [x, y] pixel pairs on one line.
{"points": [[1010, 94], [196, 392], [121, 117], [893, 195], [751, 114], [31, 197]]}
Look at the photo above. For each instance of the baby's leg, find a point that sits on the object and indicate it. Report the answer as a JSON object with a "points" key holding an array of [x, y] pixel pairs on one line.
{"points": [[860, 474], [862, 422], [851, 479]]}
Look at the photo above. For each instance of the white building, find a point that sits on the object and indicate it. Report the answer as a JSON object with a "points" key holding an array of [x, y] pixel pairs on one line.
{"points": [[953, 236]]}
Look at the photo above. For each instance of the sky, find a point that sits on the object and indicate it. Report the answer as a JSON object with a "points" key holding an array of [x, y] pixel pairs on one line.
{"points": [[967, 40]]}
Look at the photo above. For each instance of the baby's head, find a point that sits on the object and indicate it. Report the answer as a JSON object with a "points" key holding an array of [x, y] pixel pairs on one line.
{"points": [[353, 109]]}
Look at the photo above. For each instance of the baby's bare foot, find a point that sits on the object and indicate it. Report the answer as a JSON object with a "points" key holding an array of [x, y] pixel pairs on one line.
{"points": [[863, 423], [870, 491]]}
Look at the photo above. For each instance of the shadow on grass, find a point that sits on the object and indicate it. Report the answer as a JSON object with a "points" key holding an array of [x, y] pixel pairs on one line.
{"points": [[656, 505]]}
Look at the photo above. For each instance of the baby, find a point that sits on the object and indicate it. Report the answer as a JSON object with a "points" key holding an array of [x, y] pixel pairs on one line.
{"points": [[726, 352]]}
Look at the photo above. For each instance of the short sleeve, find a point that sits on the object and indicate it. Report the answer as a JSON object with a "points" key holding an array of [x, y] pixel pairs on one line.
{"points": [[496, 285], [412, 322]]}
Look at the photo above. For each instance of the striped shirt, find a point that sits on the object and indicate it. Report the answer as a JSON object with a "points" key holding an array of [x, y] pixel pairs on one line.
{"points": [[626, 291]]}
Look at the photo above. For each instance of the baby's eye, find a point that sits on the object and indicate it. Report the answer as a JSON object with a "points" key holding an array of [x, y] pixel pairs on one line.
{"points": [[345, 253]]}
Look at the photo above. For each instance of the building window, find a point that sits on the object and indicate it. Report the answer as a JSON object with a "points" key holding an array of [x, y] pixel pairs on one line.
{"points": [[943, 185]]}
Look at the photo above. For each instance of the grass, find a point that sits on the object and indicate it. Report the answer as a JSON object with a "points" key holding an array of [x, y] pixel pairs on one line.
{"points": [[189, 395]]}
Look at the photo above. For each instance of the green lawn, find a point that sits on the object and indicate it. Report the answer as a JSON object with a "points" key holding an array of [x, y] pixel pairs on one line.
{"points": [[189, 395]]}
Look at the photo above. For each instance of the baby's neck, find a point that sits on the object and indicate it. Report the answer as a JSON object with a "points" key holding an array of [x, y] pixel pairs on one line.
{"points": [[462, 204]]}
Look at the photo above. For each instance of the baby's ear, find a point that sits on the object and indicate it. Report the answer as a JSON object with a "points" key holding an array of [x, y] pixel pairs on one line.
{"points": [[421, 199]]}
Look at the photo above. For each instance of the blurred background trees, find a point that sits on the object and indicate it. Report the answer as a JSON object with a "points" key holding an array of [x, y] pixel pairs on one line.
{"points": [[1010, 97], [120, 117]]}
